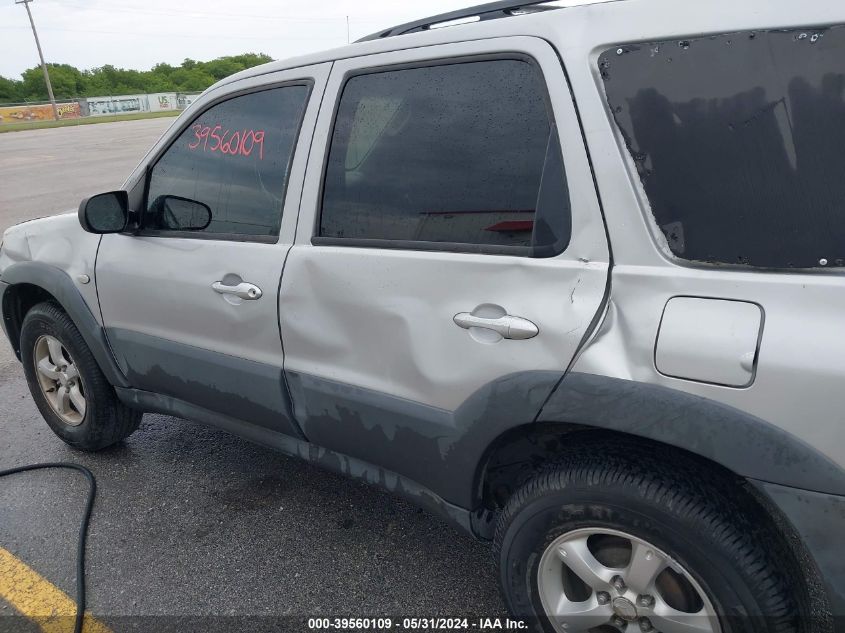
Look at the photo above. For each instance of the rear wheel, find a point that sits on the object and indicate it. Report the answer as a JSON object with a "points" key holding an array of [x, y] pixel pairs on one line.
{"points": [[601, 576], [613, 539], [69, 389]]}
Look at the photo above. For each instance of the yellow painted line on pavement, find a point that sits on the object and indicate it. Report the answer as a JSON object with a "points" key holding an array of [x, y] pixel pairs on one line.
{"points": [[36, 598]]}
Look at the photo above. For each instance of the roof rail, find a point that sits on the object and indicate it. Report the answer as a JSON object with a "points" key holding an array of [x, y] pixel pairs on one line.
{"points": [[489, 11]]}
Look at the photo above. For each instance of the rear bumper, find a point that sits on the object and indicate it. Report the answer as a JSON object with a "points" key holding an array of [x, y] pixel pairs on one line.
{"points": [[819, 520]]}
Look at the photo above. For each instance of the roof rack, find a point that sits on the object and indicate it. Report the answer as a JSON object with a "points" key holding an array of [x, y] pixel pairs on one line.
{"points": [[489, 11]]}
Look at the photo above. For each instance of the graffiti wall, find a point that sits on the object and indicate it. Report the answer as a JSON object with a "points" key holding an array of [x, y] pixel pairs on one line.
{"points": [[43, 112], [96, 106], [117, 105], [127, 104], [163, 101]]}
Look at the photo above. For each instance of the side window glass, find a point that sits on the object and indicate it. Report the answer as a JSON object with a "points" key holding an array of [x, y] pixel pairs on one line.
{"points": [[464, 153], [372, 117], [234, 161]]}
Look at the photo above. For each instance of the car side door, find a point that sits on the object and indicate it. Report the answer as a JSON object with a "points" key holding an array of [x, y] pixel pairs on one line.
{"points": [[450, 255], [191, 312]]}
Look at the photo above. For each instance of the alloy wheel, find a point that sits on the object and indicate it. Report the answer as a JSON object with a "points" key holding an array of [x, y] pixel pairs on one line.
{"points": [[59, 380], [601, 581]]}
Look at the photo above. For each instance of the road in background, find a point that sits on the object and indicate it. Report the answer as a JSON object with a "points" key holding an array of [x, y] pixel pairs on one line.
{"points": [[45, 172], [190, 520]]}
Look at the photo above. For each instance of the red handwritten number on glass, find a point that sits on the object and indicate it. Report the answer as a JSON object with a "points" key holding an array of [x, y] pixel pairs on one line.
{"points": [[234, 143]]}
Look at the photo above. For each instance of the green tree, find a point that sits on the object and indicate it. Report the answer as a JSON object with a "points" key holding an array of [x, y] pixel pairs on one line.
{"points": [[66, 80], [190, 80], [107, 80], [223, 67], [10, 90]]}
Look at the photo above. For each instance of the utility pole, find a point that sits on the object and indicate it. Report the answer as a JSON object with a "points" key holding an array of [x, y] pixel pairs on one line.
{"points": [[25, 3], [347, 29]]}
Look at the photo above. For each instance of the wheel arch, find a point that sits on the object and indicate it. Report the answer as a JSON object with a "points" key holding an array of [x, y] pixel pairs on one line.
{"points": [[723, 436], [739, 441], [17, 300], [522, 451], [25, 284], [527, 450]]}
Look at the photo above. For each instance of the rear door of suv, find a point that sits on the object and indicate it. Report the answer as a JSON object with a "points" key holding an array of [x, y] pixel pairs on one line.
{"points": [[450, 241]]}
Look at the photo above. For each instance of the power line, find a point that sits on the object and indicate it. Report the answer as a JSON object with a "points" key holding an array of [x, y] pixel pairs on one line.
{"points": [[213, 15], [173, 35]]}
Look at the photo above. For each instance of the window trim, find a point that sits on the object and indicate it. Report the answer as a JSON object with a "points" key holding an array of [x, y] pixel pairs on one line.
{"points": [[533, 252], [141, 231]]}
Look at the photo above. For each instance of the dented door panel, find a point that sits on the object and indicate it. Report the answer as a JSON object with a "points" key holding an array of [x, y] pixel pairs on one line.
{"points": [[377, 366]]}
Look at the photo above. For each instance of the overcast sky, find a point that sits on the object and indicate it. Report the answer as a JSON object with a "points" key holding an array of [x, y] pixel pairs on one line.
{"points": [[140, 33]]}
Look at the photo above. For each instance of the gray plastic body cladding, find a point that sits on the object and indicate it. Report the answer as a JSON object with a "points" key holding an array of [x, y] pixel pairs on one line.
{"points": [[328, 459], [3, 287], [743, 443], [819, 520], [239, 388], [58, 284], [438, 449]]}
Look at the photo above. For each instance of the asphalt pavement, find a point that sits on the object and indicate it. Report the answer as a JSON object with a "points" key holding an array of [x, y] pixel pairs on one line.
{"points": [[190, 521]]}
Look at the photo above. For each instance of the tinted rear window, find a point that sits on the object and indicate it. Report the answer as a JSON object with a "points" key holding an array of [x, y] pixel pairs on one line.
{"points": [[461, 153], [739, 141]]}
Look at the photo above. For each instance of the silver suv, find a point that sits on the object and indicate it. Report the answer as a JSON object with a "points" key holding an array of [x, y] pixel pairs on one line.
{"points": [[571, 278]]}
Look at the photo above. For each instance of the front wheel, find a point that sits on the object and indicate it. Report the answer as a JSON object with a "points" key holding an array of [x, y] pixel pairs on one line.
{"points": [[69, 389], [614, 539]]}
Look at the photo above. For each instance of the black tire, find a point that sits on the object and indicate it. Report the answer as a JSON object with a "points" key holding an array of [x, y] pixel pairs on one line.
{"points": [[106, 420], [700, 518]]}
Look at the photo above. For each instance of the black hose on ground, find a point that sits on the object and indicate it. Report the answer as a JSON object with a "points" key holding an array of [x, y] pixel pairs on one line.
{"points": [[83, 529]]}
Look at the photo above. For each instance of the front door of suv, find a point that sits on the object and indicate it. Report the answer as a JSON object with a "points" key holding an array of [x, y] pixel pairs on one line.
{"points": [[450, 254], [193, 314]]}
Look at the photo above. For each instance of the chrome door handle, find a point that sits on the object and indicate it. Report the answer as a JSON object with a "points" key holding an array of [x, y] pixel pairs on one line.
{"points": [[511, 327], [244, 290]]}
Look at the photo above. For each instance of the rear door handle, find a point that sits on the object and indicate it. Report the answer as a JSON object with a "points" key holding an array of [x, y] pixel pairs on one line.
{"points": [[244, 290], [510, 327]]}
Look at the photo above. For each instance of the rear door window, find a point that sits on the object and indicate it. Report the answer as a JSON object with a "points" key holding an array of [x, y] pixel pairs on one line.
{"points": [[464, 154], [739, 140]]}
